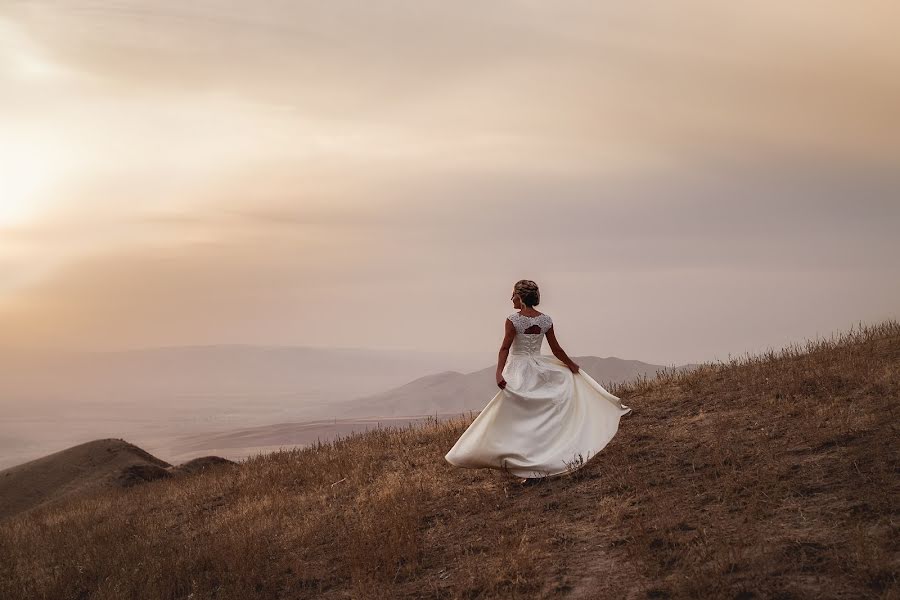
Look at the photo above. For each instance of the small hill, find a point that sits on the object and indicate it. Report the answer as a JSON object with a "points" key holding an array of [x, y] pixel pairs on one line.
{"points": [[86, 468], [76, 470], [770, 476]]}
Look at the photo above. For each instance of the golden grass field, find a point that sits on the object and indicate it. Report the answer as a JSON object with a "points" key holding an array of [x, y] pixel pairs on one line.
{"points": [[768, 476]]}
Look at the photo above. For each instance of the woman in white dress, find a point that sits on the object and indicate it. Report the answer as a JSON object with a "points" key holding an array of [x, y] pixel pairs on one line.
{"points": [[549, 417]]}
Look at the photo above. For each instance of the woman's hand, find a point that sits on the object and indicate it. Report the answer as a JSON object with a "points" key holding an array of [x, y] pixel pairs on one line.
{"points": [[501, 383], [573, 367]]}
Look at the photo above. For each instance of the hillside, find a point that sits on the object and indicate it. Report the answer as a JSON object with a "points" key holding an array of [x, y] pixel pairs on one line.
{"points": [[770, 476]]}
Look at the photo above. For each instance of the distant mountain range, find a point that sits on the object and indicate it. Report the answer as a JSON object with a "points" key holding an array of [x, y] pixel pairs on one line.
{"points": [[51, 399], [451, 392], [187, 372], [443, 395], [234, 400]]}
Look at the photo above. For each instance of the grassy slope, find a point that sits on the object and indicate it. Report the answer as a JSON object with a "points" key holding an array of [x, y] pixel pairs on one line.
{"points": [[768, 476]]}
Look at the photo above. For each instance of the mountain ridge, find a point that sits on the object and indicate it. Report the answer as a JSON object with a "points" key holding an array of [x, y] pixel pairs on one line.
{"points": [[453, 392]]}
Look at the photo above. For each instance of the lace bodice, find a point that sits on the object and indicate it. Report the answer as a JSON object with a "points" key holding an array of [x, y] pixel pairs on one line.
{"points": [[529, 343]]}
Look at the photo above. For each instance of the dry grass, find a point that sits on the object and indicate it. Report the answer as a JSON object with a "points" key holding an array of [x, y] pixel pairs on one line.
{"points": [[772, 476]]}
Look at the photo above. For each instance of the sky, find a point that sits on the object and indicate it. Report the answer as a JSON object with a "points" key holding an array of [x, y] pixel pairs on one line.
{"points": [[684, 181]]}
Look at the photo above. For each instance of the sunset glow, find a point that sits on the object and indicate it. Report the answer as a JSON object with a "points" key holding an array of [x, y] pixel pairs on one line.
{"points": [[304, 166], [28, 171]]}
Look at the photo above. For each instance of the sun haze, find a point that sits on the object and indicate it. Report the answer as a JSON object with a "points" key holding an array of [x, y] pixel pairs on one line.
{"points": [[683, 181]]}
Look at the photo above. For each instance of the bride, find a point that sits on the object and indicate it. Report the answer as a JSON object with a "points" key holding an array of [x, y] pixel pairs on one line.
{"points": [[549, 417]]}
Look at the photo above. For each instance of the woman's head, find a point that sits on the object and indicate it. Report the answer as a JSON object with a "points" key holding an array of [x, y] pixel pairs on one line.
{"points": [[528, 292]]}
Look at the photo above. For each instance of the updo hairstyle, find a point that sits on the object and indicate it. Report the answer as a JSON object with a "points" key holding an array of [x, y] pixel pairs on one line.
{"points": [[528, 292]]}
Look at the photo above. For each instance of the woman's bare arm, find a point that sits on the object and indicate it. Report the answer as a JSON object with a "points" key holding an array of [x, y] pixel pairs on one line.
{"points": [[509, 336], [558, 352]]}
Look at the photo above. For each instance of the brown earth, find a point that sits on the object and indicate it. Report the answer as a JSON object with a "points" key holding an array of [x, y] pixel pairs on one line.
{"points": [[770, 476]]}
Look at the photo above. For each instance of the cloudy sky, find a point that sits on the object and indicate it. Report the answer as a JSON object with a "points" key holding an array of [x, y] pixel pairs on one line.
{"points": [[684, 180]]}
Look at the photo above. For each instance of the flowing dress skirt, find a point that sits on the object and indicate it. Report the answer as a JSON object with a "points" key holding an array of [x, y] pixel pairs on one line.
{"points": [[546, 421]]}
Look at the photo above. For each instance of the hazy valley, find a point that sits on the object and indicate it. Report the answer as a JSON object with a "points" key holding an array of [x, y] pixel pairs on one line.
{"points": [[234, 401]]}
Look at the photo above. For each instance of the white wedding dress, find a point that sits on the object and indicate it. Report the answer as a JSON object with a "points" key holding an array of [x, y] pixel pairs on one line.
{"points": [[546, 421]]}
